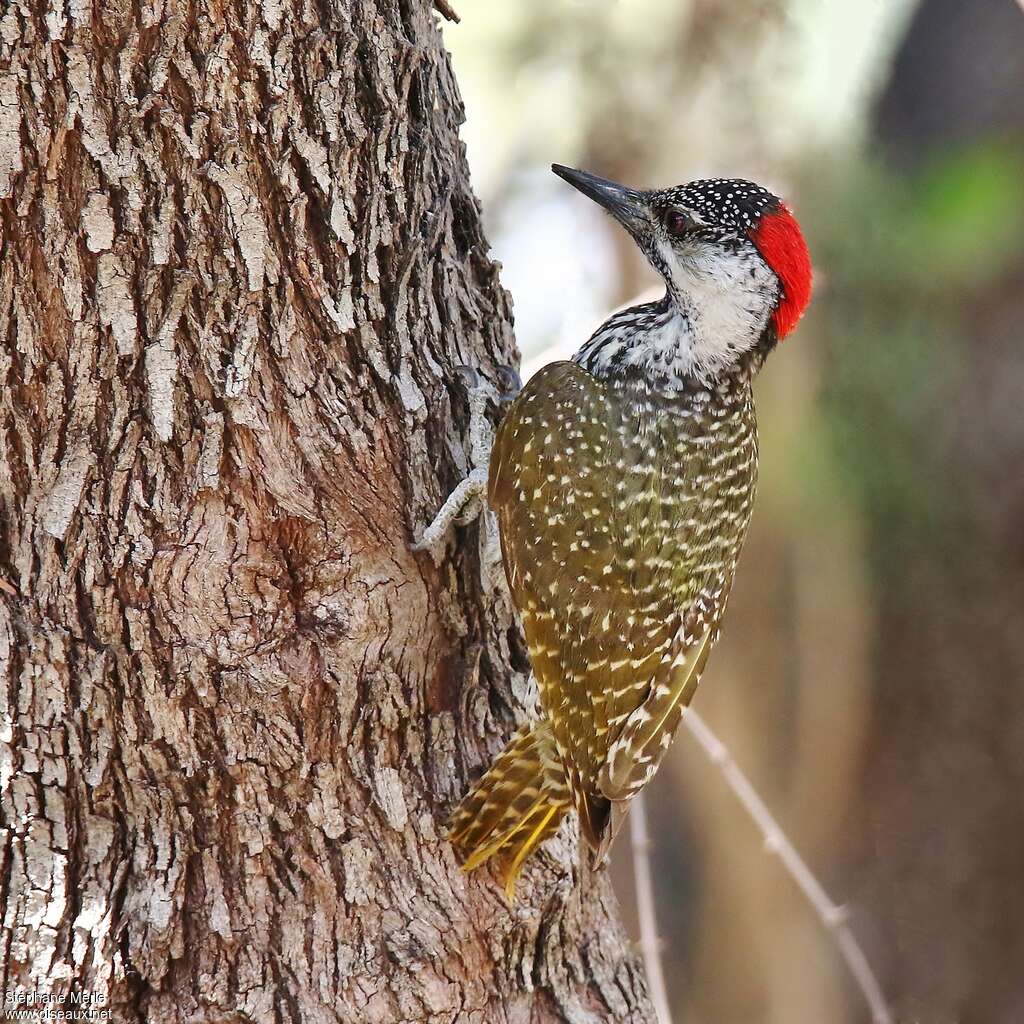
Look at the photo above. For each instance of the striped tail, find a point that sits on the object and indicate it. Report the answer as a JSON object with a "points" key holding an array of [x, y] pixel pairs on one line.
{"points": [[518, 804]]}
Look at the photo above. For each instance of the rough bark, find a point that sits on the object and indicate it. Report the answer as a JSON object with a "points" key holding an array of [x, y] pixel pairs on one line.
{"points": [[240, 262]]}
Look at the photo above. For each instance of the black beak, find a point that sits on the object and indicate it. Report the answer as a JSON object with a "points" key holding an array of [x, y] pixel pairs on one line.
{"points": [[626, 205]]}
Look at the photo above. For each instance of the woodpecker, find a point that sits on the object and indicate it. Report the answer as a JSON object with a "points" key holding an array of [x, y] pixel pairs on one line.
{"points": [[623, 482]]}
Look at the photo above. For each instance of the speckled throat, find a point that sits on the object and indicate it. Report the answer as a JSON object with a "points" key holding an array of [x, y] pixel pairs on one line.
{"points": [[706, 338]]}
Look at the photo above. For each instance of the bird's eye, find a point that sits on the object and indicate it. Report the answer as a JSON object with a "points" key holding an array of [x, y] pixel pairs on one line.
{"points": [[677, 222]]}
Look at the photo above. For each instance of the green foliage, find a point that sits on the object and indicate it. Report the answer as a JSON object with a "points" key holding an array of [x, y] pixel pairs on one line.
{"points": [[907, 258], [969, 214]]}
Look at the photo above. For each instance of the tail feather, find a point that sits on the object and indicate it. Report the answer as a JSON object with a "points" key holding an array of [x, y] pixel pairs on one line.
{"points": [[518, 803]]}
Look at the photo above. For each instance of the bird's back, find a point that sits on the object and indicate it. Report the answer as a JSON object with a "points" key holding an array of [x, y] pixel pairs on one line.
{"points": [[622, 512]]}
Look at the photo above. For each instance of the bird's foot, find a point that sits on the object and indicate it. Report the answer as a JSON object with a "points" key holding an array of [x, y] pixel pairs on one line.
{"points": [[509, 384], [461, 507], [467, 501]]}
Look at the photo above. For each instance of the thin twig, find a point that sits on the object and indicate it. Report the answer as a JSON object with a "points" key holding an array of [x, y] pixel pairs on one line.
{"points": [[650, 947], [833, 917]]}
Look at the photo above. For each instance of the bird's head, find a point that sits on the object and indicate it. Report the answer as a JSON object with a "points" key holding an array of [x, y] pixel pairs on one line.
{"points": [[732, 255]]}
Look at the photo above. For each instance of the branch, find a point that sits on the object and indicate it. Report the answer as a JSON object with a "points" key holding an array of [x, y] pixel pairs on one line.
{"points": [[650, 947], [833, 917]]}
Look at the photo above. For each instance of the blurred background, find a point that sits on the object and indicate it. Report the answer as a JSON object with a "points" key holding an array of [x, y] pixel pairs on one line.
{"points": [[871, 676]]}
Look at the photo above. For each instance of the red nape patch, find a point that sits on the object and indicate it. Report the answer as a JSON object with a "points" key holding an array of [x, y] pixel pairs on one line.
{"points": [[781, 242]]}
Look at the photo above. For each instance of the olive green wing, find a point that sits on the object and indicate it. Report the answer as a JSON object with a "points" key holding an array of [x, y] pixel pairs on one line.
{"points": [[545, 487], [639, 746], [579, 532]]}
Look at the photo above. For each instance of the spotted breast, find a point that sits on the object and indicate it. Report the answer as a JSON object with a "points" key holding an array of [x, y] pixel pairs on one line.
{"points": [[622, 512]]}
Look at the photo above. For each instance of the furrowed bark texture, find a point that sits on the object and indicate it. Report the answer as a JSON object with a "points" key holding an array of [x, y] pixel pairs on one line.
{"points": [[241, 260]]}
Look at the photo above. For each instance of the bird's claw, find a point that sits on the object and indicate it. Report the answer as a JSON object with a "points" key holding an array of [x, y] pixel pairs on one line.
{"points": [[470, 376], [466, 502], [509, 383]]}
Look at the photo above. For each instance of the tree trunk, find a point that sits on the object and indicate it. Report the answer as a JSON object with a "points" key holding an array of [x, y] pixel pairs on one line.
{"points": [[241, 260]]}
